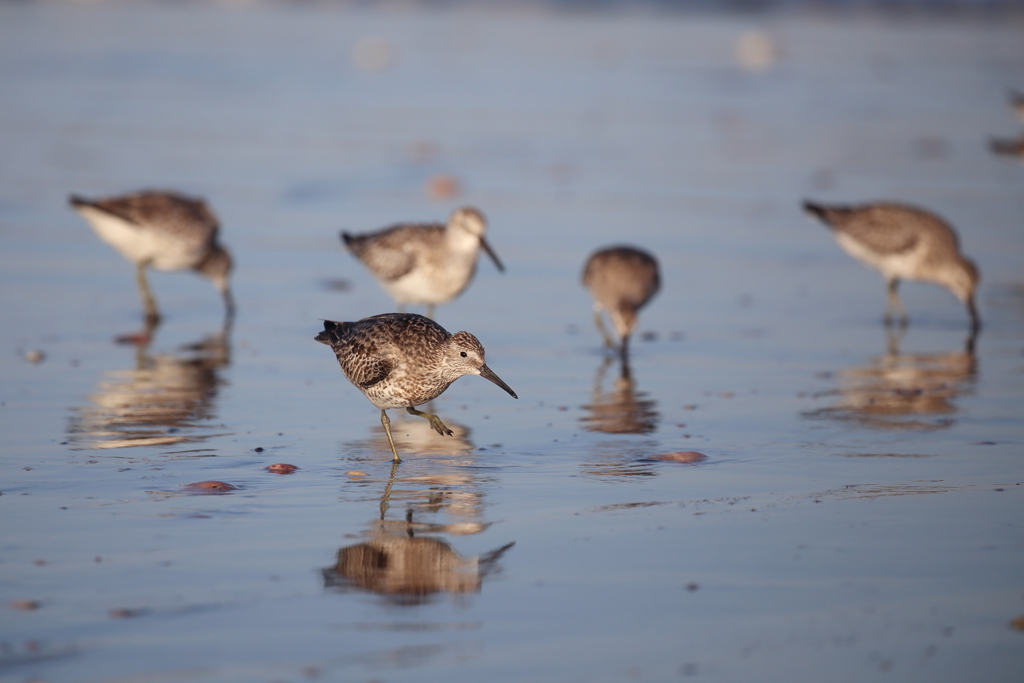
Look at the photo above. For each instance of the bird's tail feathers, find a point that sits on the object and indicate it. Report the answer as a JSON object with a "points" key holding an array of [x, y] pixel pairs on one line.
{"points": [[78, 201], [824, 213], [330, 332]]}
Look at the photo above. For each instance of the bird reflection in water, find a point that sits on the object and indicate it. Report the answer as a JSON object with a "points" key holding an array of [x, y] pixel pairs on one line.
{"points": [[903, 390], [401, 562], [167, 398], [415, 435], [451, 492], [622, 409]]}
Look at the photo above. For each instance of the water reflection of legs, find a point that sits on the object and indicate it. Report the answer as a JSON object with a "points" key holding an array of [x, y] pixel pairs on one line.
{"points": [[413, 435], [898, 390], [158, 400], [623, 410], [893, 337]]}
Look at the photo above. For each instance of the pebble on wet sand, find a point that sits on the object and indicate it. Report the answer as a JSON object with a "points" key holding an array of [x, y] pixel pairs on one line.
{"points": [[442, 186], [208, 486], [680, 456]]}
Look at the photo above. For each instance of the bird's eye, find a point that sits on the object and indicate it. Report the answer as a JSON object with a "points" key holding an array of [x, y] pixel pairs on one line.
{"points": [[463, 354]]}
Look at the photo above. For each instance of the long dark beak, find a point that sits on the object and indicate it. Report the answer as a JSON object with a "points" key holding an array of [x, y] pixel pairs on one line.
{"points": [[494, 257], [487, 373]]}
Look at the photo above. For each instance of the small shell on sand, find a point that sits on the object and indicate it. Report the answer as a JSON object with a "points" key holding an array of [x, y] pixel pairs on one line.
{"points": [[680, 456], [134, 338], [208, 486], [442, 186], [355, 473], [756, 51], [373, 54], [281, 468]]}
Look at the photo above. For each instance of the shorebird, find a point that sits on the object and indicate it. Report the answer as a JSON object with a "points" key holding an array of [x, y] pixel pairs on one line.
{"points": [[402, 360], [903, 243], [161, 230], [1013, 147], [621, 280], [424, 263]]}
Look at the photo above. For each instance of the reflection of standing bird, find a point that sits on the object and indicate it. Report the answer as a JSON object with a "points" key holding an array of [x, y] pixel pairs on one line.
{"points": [[424, 264], [409, 569], [161, 230], [903, 243], [402, 360], [624, 409], [621, 280], [166, 398], [911, 391]]}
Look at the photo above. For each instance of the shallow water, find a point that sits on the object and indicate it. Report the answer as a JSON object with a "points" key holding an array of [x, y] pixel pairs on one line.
{"points": [[858, 511]]}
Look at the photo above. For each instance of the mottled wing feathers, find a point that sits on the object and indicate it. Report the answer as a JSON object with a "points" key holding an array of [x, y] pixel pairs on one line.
{"points": [[372, 348], [373, 371], [164, 211], [885, 229], [393, 252], [415, 335], [364, 361]]}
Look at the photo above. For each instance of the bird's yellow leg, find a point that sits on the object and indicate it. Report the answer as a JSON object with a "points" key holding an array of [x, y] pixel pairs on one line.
{"points": [[148, 302], [599, 324], [385, 500], [894, 310], [434, 420], [386, 421]]}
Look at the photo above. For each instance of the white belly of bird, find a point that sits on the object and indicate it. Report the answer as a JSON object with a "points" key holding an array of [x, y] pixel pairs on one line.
{"points": [[433, 282], [401, 390], [903, 265], [142, 245]]}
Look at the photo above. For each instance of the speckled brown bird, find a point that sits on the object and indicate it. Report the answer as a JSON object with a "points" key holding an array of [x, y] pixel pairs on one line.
{"points": [[1011, 147], [402, 360], [903, 243], [425, 263], [621, 280], [161, 230]]}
